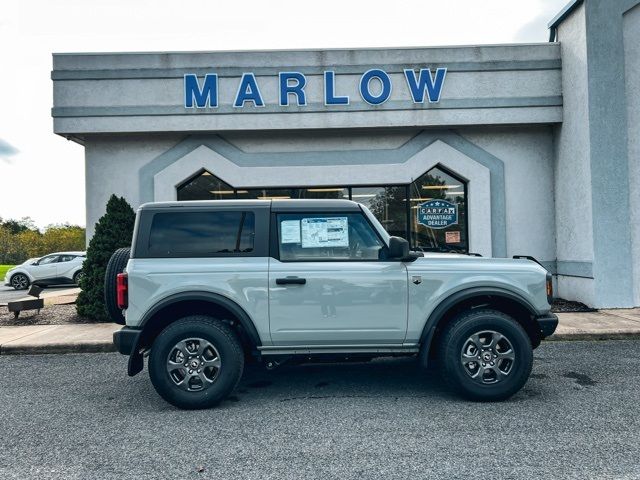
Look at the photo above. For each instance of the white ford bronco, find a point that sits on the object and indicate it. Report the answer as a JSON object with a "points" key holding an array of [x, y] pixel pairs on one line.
{"points": [[208, 285]]}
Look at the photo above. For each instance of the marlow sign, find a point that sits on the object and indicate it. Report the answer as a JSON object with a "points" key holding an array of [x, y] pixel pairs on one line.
{"points": [[203, 93]]}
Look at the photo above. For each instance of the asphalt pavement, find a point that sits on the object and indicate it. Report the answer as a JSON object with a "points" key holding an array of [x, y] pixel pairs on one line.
{"points": [[79, 416], [8, 294]]}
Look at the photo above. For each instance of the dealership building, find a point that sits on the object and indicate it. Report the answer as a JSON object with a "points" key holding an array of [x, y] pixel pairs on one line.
{"points": [[500, 150]]}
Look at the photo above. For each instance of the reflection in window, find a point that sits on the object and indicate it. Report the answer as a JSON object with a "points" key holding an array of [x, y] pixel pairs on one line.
{"points": [[328, 237], [323, 192], [437, 184], [205, 186], [388, 204], [201, 234], [265, 193]]}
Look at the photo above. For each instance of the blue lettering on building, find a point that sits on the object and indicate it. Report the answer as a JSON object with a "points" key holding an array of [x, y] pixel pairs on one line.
{"points": [[432, 85], [197, 97], [248, 91], [437, 214], [292, 83], [375, 87], [365, 86], [330, 97]]}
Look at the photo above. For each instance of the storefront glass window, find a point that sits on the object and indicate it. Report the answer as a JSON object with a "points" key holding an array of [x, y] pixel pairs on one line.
{"points": [[388, 204], [324, 192], [267, 193], [439, 212], [431, 212], [205, 186]]}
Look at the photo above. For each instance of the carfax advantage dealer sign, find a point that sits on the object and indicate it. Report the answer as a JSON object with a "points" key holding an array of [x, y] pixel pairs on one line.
{"points": [[437, 214]]}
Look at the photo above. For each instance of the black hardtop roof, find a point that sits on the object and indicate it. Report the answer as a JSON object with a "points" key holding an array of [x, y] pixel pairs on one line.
{"points": [[277, 205]]}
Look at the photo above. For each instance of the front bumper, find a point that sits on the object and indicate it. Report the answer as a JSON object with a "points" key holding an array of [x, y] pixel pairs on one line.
{"points": [[547, 324], [126, 339]]}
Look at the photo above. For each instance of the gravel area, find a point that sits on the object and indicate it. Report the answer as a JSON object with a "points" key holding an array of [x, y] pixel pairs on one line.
{"points": [[49, 315]]}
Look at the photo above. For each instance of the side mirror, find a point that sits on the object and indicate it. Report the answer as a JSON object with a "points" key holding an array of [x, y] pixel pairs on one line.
{"points": [[399, 250]]}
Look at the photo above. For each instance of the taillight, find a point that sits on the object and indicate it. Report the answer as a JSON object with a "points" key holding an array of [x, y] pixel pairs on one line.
{"points": [[122, 290], [549, 288]]}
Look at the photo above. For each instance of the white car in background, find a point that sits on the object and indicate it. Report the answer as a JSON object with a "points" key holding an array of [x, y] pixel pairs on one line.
{"points": [[55, 269]]}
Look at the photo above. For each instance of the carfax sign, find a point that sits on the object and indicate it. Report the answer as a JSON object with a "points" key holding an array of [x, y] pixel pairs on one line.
{"points": [[437, 214]]}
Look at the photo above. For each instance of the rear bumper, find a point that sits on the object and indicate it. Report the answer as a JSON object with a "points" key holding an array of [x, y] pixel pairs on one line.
{"points": [[547, 324], [126, 340]]}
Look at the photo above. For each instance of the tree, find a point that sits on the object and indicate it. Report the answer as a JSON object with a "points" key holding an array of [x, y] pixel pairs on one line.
{"points": [[114, 230]]}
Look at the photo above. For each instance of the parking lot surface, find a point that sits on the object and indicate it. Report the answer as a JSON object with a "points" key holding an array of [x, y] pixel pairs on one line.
{"points": [[80, 416], [7, 294]]}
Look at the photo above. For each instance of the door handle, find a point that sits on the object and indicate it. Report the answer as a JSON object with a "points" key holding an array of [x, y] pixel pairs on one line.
{"points": [[291, 281]]}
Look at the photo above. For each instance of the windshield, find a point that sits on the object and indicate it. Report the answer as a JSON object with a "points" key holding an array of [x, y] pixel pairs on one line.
{"points": [[377, 225]]}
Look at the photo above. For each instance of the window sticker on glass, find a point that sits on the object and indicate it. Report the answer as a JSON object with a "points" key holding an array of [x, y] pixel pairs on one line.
{"points": [[325, 232], [290, 231]]}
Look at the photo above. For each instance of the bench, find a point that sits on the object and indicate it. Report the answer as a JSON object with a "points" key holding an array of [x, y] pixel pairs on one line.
{"points": [[36, 303]]}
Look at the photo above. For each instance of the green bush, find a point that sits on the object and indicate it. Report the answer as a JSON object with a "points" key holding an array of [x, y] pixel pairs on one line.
{"points": [[114, 230]]}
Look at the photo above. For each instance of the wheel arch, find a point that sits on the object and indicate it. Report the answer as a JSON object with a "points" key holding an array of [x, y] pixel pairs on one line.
{"points": [[182, 304], [503, 300], [23, 272]]}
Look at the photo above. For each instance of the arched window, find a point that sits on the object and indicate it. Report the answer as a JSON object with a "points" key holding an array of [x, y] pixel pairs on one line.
{"points": [[438, 215], [431, 212], [205, 186]]}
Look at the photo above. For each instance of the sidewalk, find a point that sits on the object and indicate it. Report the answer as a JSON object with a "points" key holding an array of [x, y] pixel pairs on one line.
{"points": [[97, 337], [601, 325]]}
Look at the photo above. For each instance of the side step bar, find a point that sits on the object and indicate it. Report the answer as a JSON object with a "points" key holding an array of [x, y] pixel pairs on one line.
{"points": [[348, 349]]}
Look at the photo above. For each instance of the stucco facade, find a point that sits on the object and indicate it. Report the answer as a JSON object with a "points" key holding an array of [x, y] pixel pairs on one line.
{"points": [[524, 127]]}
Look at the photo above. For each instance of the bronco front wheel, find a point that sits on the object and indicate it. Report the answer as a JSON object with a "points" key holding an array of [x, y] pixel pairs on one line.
{"points": [[196, 362], [485, 355]]}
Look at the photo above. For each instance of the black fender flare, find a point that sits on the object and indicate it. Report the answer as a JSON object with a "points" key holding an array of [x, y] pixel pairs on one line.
{"points": [[436, 315], [135, 358]]}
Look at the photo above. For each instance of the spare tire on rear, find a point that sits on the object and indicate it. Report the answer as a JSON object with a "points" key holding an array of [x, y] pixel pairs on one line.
{"points": [[116, 265]]}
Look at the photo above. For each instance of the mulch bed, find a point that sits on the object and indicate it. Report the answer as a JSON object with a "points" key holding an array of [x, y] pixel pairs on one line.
{"points": [[49, 315], [560, 305]]}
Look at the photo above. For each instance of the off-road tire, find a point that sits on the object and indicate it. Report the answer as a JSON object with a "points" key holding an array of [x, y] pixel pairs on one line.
{"points": [[116, 265], [225, 341], [458, 332]]}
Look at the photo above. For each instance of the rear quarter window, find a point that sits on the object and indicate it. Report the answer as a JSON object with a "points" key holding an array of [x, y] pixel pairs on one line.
{"points": [[201, 234]]}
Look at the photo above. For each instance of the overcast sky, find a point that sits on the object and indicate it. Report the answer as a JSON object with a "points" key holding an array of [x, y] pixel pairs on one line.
{"points": [[42, 175]]}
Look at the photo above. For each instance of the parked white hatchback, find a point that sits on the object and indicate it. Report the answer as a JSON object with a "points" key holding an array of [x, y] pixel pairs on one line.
{"points": [[55, 269]]}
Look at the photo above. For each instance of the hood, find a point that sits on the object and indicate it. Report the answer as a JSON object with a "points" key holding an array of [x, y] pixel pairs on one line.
{"points": [[457, 262]]}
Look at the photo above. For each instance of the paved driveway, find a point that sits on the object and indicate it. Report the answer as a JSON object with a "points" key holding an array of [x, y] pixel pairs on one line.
{"points": [[8, 294], [80, 416]]}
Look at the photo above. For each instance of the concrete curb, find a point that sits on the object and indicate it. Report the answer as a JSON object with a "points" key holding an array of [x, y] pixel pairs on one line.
{"points": [[87, 347], [71, 338], [589, 336]]}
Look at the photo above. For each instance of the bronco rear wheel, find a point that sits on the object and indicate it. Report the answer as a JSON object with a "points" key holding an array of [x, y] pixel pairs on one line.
{"points": [[485, 355], [196, 362]]}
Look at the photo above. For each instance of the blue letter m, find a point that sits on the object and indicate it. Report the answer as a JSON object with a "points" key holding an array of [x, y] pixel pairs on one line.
{"points": [[207, 96], [425, 81]]}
